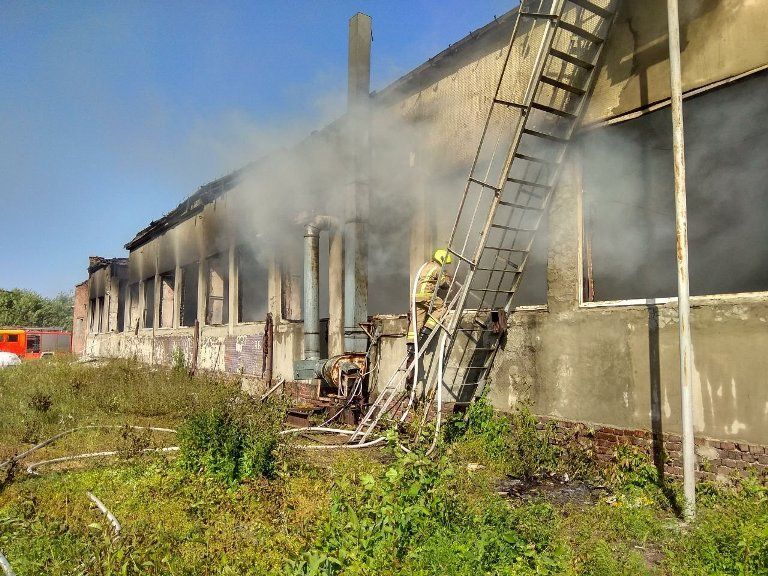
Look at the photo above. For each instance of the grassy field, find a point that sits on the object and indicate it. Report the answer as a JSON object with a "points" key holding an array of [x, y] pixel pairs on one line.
{"points": [[237, 500]]}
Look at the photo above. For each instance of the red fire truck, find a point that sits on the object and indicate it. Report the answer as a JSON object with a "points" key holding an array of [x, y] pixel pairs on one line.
{"points": [[35, 342]]}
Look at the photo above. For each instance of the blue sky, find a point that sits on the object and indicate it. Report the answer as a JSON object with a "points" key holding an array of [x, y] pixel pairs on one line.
{"points": [[112, 112]]}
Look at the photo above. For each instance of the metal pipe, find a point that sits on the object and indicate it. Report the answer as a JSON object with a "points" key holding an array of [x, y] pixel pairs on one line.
{"points": [[311, 292], [312, 285], [681, 233]]}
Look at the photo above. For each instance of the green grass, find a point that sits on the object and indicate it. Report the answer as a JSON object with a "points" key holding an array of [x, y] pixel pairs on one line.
{"points": [[336, 513], [43, 397]]}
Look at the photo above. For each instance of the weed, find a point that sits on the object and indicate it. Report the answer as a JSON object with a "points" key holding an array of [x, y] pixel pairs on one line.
{"points": [[518, 445], [406, 520], [631, 466], [40, 402], [133, 442], [179, 362], [232, 441]]}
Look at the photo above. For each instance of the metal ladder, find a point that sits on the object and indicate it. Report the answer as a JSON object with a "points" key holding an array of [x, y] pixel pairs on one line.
{"points": [[549, 70]]}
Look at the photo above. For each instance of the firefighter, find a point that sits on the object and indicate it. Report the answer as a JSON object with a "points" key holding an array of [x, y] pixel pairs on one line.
{"points": [[432, 278]]}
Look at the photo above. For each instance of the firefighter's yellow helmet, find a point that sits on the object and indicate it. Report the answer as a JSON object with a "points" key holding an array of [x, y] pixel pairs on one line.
{"points": [[442, 256]]}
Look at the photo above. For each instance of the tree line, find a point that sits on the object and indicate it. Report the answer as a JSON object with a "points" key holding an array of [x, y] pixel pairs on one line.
{"points": [[27, 308]]}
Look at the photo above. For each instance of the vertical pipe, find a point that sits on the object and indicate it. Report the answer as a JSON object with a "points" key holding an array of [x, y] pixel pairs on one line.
{"points": [[266, 362], [681, 232], [311, 292], [335, 291], [358, 145]]}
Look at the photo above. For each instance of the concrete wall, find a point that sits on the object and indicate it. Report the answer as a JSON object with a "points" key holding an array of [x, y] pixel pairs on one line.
{"points": [[236, 351], [451, 94], [617, 364]]}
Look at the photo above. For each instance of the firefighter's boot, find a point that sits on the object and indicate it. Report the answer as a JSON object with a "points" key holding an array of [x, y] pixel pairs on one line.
{"points": [[411, 355]]}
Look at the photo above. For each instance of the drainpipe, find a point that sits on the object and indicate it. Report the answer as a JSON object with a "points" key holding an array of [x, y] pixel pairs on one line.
{"points": [[681, 232], [312, 287]]}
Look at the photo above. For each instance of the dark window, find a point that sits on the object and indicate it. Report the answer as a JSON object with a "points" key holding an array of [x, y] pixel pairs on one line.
{"points": [[122, 295], [149, 302], [33, 343], [629, 210], [189, 282], [92, 321], [102, 314], [252, 286], [13, 337]]}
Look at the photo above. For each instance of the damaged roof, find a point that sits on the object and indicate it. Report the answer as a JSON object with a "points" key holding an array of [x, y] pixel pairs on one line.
{"points": [[411, 81], [97, 263], [189, 207]]}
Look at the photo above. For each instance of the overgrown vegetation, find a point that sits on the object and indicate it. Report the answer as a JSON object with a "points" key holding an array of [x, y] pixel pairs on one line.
{"points": [[236, 502], [26, 308], [41, 398], [518, 445], [233, 440]]}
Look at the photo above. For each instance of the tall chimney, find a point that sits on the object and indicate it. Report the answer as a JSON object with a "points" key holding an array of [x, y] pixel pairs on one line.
{"points": [[358, 195]]}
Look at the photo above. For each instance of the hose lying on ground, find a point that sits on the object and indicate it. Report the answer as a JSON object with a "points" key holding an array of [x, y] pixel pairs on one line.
{"points": [[31, 469], [55, 437], [6, 566], [104, 510]]}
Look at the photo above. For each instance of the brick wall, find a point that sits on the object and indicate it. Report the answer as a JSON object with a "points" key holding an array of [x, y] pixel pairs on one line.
{"points": [[80, 318], [715, 458]]}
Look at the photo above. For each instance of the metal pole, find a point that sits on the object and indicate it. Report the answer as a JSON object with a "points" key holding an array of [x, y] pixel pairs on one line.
{"points": [[681, 232], [311, 292]]}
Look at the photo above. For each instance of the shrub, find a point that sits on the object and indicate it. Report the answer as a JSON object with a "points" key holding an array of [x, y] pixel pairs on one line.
{"points": [[517, 445], [408, 520], [233, 440]]}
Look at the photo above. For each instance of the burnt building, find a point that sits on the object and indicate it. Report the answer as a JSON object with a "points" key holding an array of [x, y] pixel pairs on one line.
{"points": [[593, 334]]}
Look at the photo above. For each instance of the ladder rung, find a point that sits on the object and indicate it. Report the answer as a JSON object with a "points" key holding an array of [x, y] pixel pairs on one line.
{"points": [[572, 59], [483, 184], [513, 228], [521, 206], [573, 29], [545, 136], [489, 290], [534, 159], [529, 183], [503, 271], [550, 110], [518, 250], [507, 103], [594, 8], [563, 86], [470, 262], [544, 15]]}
